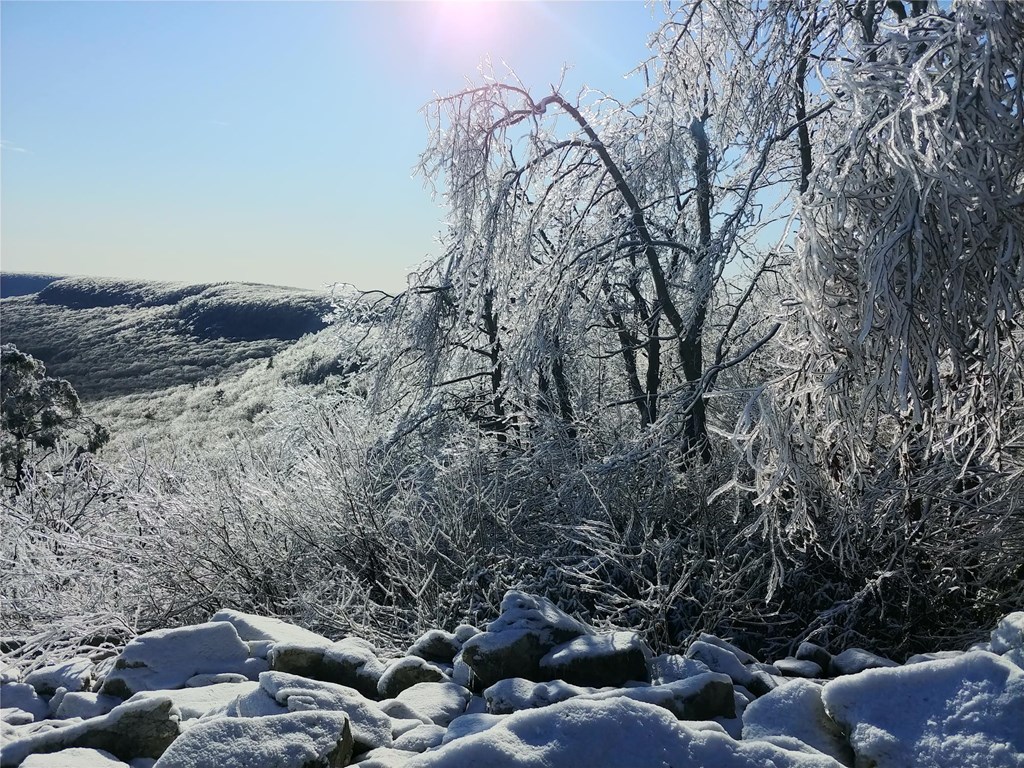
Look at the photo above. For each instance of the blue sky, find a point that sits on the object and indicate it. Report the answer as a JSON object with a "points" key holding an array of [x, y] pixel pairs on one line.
{"points": [[261, 141]]}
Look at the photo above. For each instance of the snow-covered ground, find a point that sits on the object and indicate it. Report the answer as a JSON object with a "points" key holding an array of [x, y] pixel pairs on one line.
{"points": [[536, 689]]}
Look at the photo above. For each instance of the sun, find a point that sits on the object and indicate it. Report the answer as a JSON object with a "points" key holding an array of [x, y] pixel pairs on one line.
{"points": [[474, 24]]}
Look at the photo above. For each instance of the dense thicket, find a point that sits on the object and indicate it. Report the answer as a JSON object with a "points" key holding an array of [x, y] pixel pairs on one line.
{"points": [[742, 355]]}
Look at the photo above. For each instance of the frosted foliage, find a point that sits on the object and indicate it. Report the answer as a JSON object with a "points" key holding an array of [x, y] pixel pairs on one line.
{"points": [[899, 388], [588, 239]]}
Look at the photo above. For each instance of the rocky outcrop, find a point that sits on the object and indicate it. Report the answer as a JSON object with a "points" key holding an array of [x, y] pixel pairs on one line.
{"points": [[244, 690]]}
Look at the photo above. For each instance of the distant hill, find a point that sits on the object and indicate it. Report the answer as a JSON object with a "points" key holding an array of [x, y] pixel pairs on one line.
{"points": [[113, 337], [22, 283]]}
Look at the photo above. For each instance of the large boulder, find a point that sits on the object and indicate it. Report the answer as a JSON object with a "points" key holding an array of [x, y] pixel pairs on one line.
{"points": [[668, 668], [291, 740], [167, 658], [608, 659], [612, 733], [253, 628], [352, 662], [966, 712], [140, 729], [194, 703], [494, 656], [85, 704], [280, 692], [527, 628], [794, 711]]}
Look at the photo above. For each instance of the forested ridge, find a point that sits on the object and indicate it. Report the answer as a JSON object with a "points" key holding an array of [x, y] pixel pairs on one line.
{"points": [[741, 356]]}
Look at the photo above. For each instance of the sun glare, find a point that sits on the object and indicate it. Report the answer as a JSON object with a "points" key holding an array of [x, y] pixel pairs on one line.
{"points": [[476, 26]]}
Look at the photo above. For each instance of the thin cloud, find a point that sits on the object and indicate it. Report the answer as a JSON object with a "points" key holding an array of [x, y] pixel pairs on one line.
{"points": [[7, 146]]}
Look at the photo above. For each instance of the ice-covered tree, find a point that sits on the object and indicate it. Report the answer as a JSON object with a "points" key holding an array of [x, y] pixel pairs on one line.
{"points": [[38, 411], [890, 441], [590, 241]]}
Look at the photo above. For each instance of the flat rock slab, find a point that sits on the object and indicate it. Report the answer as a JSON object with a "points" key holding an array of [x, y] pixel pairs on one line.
{"points": [[291, 740], [168, 658], [966, 712], [193, 703], [251, 627]]}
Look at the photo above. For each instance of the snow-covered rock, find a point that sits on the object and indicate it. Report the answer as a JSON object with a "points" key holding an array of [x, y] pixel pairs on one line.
{"points": [[167, 658], [1008, 638], [406, 672], [494, 656], [252, 627], [795, 711], [917, 658], [516, 693], [72, 675], [436, 645], [292, 740], [280, 692], [193, 703], [441, 702], [719, 659], [739, 653], [537, 614], [514, 643], [468, 724], [352, 662], [421, 738], [465, 631], [670, 667], [966, 712], [607, 659], [74, 758], [609, 733], [85, 704], [854, 660], [23, 697], [198, 681], [799, 668], [384, 757], [702, 697], [140, 729], [808, 651]]}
